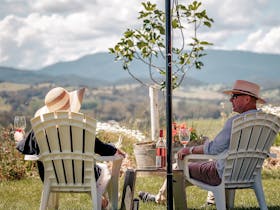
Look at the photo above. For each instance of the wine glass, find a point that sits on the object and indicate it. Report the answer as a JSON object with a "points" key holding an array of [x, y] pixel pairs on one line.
{"points": [[19, 123], [184, 136]]}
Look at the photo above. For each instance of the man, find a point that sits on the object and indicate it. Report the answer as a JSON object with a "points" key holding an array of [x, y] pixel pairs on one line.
{"points": [[244, 98], [60, 99]]}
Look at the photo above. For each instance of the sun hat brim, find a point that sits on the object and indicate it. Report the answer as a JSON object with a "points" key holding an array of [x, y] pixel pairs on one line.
{"points": [[76, 98], [234, 91]]}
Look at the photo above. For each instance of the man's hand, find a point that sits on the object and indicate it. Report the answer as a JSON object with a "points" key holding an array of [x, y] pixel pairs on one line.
{"points": [[183, 152], [190, 150]]}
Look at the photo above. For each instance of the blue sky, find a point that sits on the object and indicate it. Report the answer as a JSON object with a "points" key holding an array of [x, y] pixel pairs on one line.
{"points": [[36, 33]]}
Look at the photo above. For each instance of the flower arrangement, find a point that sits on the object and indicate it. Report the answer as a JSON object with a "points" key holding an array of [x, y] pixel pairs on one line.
{"points": [[177, 128], [194, 137]]}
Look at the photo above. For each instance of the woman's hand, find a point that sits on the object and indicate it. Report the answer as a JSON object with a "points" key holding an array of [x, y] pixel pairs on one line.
{"points": [[119, 152], [18, 136]]}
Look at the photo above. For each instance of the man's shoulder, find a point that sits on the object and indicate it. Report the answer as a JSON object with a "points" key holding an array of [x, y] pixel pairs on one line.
{"points": [[236, 115]]}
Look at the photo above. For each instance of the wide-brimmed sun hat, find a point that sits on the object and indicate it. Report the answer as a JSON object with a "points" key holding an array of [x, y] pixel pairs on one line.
{"points": [[60, 99], [247, 88]]}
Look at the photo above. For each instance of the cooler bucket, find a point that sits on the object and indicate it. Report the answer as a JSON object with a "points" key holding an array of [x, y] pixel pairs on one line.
{"points": [[145, 154]]}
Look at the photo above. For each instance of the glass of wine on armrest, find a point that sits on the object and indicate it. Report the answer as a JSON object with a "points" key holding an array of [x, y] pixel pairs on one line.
{"points": [[184, 136]]}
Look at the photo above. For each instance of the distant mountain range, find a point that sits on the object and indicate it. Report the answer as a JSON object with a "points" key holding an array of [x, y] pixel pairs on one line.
{"points": [[101, 69]]}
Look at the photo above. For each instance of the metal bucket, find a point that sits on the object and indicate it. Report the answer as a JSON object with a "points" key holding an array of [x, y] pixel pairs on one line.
{"points": [[145, 154]]}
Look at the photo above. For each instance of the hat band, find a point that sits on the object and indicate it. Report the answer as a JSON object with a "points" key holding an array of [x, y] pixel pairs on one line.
{"points": [[60, 102], [66, 106], [57, 99], [246, 92]]}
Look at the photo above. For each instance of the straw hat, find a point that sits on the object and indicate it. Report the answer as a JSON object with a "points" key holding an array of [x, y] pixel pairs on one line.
{"points": [[60, 99], [247, 88]]}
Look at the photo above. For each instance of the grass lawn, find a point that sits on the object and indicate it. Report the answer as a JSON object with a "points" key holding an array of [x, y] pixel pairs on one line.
{"points": [[25, 195]]}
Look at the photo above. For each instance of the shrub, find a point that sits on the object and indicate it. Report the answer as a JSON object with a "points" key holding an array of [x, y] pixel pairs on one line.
{"points": [[12, 164]]}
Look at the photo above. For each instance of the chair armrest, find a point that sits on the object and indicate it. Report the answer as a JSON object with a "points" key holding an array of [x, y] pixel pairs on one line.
{"points": [[272, 155], [108, 158], [204, 157], [31, 157], [116, 162], [183, 164], [200, 157], [189, 158], [115, 159]]}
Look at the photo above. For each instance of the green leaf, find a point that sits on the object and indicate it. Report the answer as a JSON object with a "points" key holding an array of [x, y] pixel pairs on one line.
{"points": [[205, 43], [117, 48], [130, 43], [141, 44], [111, 50], [128, 33], [198, 64], [161, 45], [207, 23], [146, 21]]}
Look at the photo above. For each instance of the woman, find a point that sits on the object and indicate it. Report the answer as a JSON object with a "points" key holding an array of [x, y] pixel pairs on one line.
{"points": [[60, 99]]}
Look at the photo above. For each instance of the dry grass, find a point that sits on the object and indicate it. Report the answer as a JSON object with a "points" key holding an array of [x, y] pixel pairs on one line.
{"points": [[4, 86]]}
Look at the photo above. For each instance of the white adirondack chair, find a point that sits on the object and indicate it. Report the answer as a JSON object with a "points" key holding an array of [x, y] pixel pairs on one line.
{"points": [[251, 139], [66, 141]]}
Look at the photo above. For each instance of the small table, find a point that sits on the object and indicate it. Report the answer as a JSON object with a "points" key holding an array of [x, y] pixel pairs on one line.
{"points": [[179, 193]]}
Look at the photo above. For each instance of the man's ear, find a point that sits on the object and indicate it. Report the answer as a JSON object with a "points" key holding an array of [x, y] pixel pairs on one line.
{"points": [[250, 99]]}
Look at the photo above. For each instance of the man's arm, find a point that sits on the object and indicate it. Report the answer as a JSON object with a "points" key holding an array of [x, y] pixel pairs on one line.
{"points": [[190, 150], [198, 149]]}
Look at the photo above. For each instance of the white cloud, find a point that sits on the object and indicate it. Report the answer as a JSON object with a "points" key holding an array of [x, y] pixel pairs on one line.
{"points": [[38, 33], [55, 31], [263, 42], [58, 6]]}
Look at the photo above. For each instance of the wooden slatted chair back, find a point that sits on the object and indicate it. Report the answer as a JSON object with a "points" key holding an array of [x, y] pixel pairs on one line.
{"points": [[66, 141]]}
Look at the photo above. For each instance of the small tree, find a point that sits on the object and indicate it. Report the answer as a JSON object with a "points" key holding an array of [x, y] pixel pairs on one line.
{"points": [[147, 44]]}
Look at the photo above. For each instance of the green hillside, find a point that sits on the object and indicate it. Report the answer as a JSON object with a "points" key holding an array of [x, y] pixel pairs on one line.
{"points": [[100, 69], [219, 67]]}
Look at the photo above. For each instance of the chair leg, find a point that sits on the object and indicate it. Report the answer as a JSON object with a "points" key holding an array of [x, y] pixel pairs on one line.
{"points": [[45, 197], [95, 199], [179, 193], [113, 184], [113, 193], [220, 198], [230, 195], [53, 202], [258, 188]]}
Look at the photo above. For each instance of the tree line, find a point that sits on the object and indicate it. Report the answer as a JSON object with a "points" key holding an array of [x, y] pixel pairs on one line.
{"points": [[123, 105]]}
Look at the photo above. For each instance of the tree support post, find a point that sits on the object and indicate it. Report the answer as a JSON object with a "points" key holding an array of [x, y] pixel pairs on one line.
{"points": [[154, 107]]}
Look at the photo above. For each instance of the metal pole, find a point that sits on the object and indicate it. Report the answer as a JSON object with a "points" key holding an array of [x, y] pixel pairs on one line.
{"points": [[169, 174]]}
